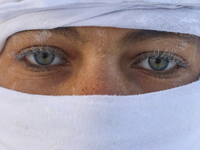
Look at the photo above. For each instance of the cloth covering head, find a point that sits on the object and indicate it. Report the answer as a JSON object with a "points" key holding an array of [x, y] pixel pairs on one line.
{"points": [[170, 15], [165, 120]]}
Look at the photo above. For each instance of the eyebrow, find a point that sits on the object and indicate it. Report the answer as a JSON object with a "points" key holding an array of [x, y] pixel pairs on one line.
{"points": [[68, 32], [134, 37]]}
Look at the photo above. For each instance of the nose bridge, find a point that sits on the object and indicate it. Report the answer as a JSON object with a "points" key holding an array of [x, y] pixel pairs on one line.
{"points": [[97, 77], [100, 72]]}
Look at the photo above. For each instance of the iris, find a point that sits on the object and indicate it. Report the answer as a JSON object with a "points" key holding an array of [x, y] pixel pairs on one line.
{"points": [[159, 63], [44, 58]]}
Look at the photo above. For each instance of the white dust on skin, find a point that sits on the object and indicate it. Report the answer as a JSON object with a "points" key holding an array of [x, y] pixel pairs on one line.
{"points": [[42, 36], [103, 67], [36, 37]]}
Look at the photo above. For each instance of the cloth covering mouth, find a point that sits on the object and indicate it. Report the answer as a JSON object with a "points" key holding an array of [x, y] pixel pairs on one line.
{"points": [[166, 120]]}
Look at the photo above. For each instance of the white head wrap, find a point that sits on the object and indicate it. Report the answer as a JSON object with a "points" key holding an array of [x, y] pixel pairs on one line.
{"points": [[165, 120]]}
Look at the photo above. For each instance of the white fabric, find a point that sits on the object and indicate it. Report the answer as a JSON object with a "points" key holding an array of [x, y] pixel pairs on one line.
{"points": [[166, 120], [170, 15]]}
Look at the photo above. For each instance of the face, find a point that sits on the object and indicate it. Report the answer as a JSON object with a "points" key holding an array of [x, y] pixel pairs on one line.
{"points": [[100, 61]]}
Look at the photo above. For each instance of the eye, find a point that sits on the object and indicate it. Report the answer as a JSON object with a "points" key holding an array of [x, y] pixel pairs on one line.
{"points": [[157, 63], [42, 57]]}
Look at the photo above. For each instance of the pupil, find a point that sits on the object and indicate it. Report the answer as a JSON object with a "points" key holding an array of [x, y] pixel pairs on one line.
{"points": [[158, 61], [44, 55]]}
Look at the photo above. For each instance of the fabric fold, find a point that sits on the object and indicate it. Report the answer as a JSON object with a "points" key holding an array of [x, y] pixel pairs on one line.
{"points": [[170, 16], [160, 120]]}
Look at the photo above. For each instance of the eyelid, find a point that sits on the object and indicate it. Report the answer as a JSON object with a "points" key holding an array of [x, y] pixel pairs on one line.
{"points": [[171, 56], [34, 49], [22, 54], [170, 73]]}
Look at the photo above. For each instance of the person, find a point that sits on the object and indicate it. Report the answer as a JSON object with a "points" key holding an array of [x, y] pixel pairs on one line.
{"points": [[96, 60], [121, 62]]}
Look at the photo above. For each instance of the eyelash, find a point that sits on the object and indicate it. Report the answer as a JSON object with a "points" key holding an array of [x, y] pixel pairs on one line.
{"points": [[181, 63], [20, 56]]}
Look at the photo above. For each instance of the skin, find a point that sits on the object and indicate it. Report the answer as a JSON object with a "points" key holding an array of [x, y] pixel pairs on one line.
{"points": [[98, 61]]}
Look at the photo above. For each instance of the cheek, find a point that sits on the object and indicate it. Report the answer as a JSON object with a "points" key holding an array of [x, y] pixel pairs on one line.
{"points": [[32, 86], [146, 83], [15, 76]]}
